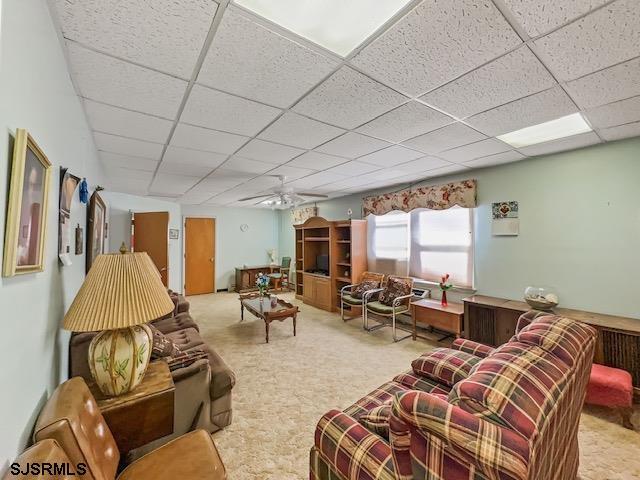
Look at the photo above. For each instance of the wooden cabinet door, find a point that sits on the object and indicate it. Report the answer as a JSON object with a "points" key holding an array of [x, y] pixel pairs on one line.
{"points": [[323, 293], [506, 322], [308, 286]]}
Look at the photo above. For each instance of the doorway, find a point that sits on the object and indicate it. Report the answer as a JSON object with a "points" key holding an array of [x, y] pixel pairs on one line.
{"points": [[199, 255], [151, 235]]}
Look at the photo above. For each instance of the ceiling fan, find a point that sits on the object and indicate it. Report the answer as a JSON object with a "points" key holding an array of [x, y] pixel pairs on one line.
{"points": [[283, 196]]}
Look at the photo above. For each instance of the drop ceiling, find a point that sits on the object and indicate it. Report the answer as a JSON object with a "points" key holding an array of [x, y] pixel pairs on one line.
{"points": [[201, 102]]}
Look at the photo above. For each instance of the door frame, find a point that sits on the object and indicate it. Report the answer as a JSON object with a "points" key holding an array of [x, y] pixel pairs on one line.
{"points": [[184, 250]]}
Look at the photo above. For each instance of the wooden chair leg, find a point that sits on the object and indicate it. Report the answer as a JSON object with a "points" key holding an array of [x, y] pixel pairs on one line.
{"points": [[626, 413]]}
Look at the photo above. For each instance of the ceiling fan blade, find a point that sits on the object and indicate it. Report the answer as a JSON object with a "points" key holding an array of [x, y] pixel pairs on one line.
{"points": [[257, 196], [315, 195]]}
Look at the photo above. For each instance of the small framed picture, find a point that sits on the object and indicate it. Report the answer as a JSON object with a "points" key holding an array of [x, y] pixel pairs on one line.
{"points": [[79, 240], [174, 233], [25, 230]]}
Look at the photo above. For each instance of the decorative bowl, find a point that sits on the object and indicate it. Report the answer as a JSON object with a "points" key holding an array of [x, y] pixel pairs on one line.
{"points": [[541, 298]]}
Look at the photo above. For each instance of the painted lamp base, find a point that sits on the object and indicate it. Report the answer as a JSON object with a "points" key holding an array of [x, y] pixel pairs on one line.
{"points": [[118, 359]]}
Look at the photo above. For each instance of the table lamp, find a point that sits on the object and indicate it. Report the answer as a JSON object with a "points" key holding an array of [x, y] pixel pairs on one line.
{"points": [[121, 293]]}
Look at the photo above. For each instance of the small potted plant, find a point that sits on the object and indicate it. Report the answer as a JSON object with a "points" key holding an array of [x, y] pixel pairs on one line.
{"points": [[262, 284], [444, 286]]}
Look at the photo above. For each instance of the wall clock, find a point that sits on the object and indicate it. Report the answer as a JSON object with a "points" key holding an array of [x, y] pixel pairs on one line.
{"points": [[244, 227]]}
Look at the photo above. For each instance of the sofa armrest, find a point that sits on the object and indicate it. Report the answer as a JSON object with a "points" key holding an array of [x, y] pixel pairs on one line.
{"points": [[190, 370], [351, 450], [474, 348], [496, 451]]}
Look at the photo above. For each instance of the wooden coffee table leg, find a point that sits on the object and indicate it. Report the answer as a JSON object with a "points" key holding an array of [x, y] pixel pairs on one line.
{"points": [[266, 327], [294, 325], [241, 312]]}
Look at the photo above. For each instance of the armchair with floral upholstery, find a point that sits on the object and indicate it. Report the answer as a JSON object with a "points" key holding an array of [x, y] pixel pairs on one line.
{"points": [[351, 295], [390, 301]]}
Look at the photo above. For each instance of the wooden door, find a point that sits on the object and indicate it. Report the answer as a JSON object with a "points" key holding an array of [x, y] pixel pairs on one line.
{"points": [[151, 235], [199, 255], [323, 293]]}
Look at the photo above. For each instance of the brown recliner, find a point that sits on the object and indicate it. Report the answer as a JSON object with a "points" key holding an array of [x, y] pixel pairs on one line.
{"points": [[72, 418], [32, 463]]}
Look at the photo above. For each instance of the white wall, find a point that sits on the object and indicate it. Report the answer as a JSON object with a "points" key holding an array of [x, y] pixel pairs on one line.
{"points": [[36, 93], [235, 248], [579, 227], [120, 207]]}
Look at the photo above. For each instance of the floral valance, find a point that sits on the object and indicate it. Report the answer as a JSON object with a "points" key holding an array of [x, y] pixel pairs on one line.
{"points": [[438, 197], [302, 214]]}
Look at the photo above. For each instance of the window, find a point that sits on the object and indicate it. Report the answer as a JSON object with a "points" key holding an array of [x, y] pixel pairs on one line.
{"points": [[442, 242], [424, 244], [388, 243]]}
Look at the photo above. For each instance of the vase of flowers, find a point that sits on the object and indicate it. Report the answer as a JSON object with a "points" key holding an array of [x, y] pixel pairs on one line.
{"points": [[262, 284], [444, 286]]}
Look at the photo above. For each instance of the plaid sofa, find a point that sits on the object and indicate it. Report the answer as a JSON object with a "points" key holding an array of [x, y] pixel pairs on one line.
{"points": [[470, 412]]}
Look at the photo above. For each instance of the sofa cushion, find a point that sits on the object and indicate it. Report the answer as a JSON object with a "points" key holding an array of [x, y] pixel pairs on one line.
{"points": [[172, 324], [377, 419], [346, 298], [396, 287], [186, 339], [364, 286], [445, 365], [379, 307], [517, 387], [560, 336], [380, 396], [162, 345], [417, 382]]}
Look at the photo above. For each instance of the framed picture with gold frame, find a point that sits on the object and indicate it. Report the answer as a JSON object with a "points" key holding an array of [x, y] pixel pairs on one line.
{"points": [[25, 230], [96, 225]]}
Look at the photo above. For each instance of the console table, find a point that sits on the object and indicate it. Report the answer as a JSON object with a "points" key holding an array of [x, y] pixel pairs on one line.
{"points": [[246, 276], [492, 321], [432, 313]]}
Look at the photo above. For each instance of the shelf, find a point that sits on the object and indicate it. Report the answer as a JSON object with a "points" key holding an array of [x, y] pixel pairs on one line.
{"points": [[299, 241], [343, 241], [344, 264], [343, 279], [343, 225], [299, 259], [316, 239]]}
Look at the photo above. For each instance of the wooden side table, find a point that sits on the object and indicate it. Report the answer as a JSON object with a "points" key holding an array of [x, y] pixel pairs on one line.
{"points": [[432, 313], [143, 414]]}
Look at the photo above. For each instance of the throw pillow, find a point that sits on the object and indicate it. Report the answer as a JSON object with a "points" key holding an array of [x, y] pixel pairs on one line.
{"points": [[396, 287], [445, 365], [365, 286], [377, 420], [162, 346], [184, 359]]}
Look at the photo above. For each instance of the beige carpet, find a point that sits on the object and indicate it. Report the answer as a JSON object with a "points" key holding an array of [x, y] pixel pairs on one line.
{"points": [[284, 387]]}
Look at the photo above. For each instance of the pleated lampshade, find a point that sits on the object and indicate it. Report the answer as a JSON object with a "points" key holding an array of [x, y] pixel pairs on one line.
{"points": [[121, 290]]}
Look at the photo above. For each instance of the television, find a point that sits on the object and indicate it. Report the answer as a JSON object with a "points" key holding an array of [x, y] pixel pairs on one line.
{"points": [[322, 263]]}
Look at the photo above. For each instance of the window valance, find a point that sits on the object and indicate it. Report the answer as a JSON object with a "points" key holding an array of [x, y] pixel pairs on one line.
{"points": [[437, 197]]}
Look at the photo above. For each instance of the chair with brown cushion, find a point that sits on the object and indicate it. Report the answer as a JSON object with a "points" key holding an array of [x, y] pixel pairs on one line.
{"points": [[44, 452], [282, 277], [351, 295], [72, 418], [390, 301]]}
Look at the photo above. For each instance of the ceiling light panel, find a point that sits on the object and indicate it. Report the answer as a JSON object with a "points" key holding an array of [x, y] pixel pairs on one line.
{"points": [[562, 144], [336, 25], [544, 132]]}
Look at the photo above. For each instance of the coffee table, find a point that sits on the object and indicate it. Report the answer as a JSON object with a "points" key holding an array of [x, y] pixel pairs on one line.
{"points": [[261, 307]]}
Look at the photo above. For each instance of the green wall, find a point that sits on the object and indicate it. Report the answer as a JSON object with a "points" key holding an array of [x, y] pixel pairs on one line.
{"points": [[579, 227]]}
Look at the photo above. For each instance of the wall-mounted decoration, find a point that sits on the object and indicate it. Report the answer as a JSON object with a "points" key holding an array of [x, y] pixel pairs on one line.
{"points": [[174, 233], [79, 240], [505, 218], [96, 221], [68, 185], [302, 214], [25, 230], [244, 227], [84, 191]]}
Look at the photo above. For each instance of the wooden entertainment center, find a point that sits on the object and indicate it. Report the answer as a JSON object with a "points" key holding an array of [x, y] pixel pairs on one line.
{"points": [[342, 244]]}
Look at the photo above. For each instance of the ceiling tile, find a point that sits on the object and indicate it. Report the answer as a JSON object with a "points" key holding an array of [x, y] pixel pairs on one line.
{"points": [[193, 157], [248, 165], [164, 34], [126, 161], [422, 165], [316, 161], [122, 84], [127, 146], [445, 138], [448, 170], [200, 138], [475, 150], [352, 168], [127, 185], [614, 114], [623, 131], [212, 109], [606, 86], [601, 39], [316, 180], [180, 168], [298, 131], [108, 119], [407, 121], [221, 180], [508, 78], [172, 184], [194, 198], [497, 159], [348, 99], [352, 145], [250, 60], [268, 152], [391, 156], [568, 143], [352, 182], [437, 42], [292, 173], [538, 108], [121, 173], [541, 16]]}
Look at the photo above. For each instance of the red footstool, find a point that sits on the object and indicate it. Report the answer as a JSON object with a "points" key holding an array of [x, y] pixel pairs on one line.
{"points": [[611, 387]]}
